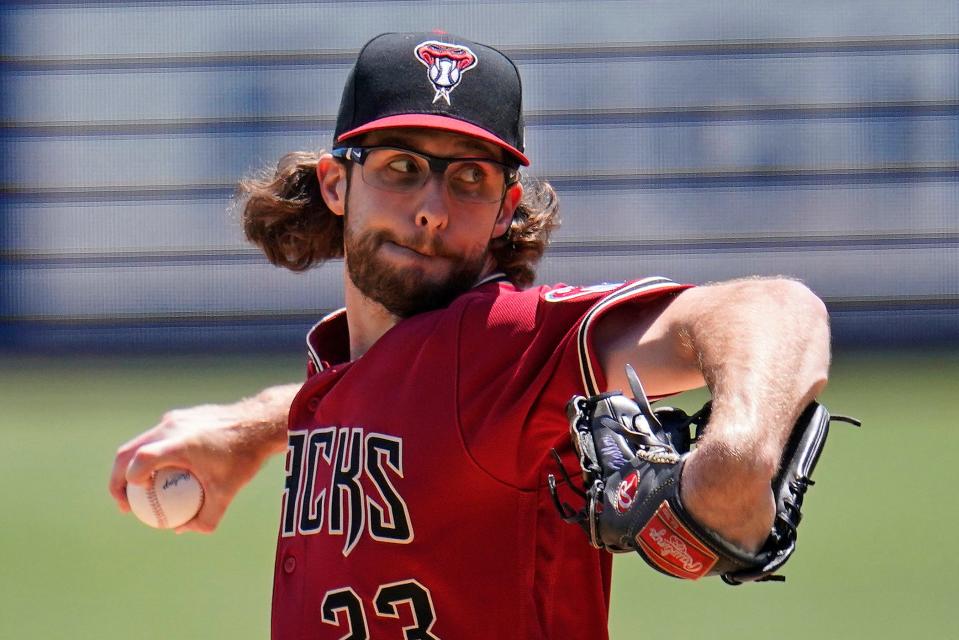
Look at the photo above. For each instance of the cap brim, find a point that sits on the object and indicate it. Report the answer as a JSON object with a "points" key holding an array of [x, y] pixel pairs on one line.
{"points": [[442, 123]]}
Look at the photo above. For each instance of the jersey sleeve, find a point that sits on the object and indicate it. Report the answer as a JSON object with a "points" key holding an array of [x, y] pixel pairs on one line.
{"points": [[521, 358]]}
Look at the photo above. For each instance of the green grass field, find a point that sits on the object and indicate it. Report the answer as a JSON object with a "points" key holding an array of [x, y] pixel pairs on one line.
{"points": [[875, 557]]}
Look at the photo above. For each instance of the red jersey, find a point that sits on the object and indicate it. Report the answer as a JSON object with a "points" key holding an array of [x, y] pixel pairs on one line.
{"points": [[416, 500]]}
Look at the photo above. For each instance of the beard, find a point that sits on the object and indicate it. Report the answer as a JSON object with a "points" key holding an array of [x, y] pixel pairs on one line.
{"points": [[408, 291]]}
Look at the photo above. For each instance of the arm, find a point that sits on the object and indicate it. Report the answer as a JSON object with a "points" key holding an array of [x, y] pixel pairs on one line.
{"points": [[223, 445], [762, 348]]}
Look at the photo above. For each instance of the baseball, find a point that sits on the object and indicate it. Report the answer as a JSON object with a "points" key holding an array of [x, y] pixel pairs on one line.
{"points": [[171, 499]]}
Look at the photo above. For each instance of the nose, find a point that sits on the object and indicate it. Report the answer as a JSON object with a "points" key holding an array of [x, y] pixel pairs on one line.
{"points": [[433, 211]]}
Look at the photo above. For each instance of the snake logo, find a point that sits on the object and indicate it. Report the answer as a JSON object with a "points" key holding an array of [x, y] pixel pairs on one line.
{"points": [[445, 64]]}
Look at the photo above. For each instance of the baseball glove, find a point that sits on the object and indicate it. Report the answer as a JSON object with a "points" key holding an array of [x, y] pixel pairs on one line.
{"points": [[632, 459]]}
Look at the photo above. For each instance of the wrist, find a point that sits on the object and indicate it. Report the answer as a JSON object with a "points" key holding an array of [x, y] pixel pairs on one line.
{"points": [[729, 494], [733, 460], [256, 431], [266, 415]]}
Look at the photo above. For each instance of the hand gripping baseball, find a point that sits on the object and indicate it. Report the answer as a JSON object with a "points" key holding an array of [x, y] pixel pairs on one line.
{"points": [[223, 446], [632, 460]]}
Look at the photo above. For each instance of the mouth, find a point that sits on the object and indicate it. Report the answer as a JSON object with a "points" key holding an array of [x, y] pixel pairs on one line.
{"points": [[404, 249]]}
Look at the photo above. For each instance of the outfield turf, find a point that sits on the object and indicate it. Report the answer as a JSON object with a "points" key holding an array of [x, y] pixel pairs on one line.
{"points": [[875, 557]]}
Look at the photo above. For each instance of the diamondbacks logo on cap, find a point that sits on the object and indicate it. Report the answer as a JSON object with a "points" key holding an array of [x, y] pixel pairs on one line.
{"points": [[445, 65]]}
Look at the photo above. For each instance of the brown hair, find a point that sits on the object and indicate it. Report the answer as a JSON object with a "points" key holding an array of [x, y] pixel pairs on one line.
{"points": [[285, 215]]}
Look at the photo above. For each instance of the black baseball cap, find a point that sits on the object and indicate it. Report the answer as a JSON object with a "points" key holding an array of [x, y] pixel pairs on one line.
{"points": [[434, 81]]}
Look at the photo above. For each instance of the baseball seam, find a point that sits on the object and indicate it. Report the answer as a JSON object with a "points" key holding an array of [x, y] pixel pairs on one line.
{"points": [[155, 504]]}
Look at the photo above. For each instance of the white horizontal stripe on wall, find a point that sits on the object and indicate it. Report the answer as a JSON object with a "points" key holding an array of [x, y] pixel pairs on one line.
{"points": [[851, 273], [219, 159], [190, 289], [133, 29], [589, 216], [172, 290], [549, 86]]}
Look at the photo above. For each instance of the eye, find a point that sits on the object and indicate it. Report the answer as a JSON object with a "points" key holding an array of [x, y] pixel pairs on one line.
{"points": [[403, 164], [471, 173]]}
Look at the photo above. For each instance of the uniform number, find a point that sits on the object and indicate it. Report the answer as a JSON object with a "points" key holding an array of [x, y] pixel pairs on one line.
{"points": [[343, 608]]}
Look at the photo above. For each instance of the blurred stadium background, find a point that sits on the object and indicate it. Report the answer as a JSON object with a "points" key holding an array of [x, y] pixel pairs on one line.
{"points": [[698, 139]]}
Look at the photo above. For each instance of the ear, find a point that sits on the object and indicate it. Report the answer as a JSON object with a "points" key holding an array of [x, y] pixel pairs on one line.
{"points": [[332, 178], [512, 199]]}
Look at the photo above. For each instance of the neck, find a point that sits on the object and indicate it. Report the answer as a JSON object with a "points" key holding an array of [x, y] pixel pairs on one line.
{"points": [[367, 320]]}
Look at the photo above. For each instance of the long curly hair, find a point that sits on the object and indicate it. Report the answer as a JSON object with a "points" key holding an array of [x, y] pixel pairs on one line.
{"points": [[284, 214]]}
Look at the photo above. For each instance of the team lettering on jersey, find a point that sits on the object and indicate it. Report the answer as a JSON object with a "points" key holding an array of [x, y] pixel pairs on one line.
{"points": [[339, 481]]}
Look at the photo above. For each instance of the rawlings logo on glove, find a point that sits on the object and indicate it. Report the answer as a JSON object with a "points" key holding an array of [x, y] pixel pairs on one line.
{"points": [[632, 460], [674, 550]]}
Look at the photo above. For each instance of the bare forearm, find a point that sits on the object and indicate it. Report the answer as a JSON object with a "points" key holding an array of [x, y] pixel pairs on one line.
{"points": [[264, 416], [763, 349]]}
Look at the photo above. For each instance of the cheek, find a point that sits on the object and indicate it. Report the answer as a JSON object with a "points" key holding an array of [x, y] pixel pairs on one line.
{"points": [[380, 209], [362, 214], [479, 226], [468, 238], [486, 228]]}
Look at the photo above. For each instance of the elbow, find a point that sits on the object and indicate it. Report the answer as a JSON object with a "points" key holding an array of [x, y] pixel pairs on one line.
{"points": [[809, 323], [797, 299]]}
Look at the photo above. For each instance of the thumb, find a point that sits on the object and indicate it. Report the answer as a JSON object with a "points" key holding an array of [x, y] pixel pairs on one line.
{"points": [[208, 518]]}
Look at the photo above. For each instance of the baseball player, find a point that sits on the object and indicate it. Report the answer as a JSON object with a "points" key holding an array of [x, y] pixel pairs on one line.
{"points": [[415, 502]]}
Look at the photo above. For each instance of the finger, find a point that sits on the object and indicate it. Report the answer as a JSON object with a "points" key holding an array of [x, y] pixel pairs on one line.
{"points": [[118, 488], [207, 519], [131, 445], [117, 484], [153, 456], [118, 479]]}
